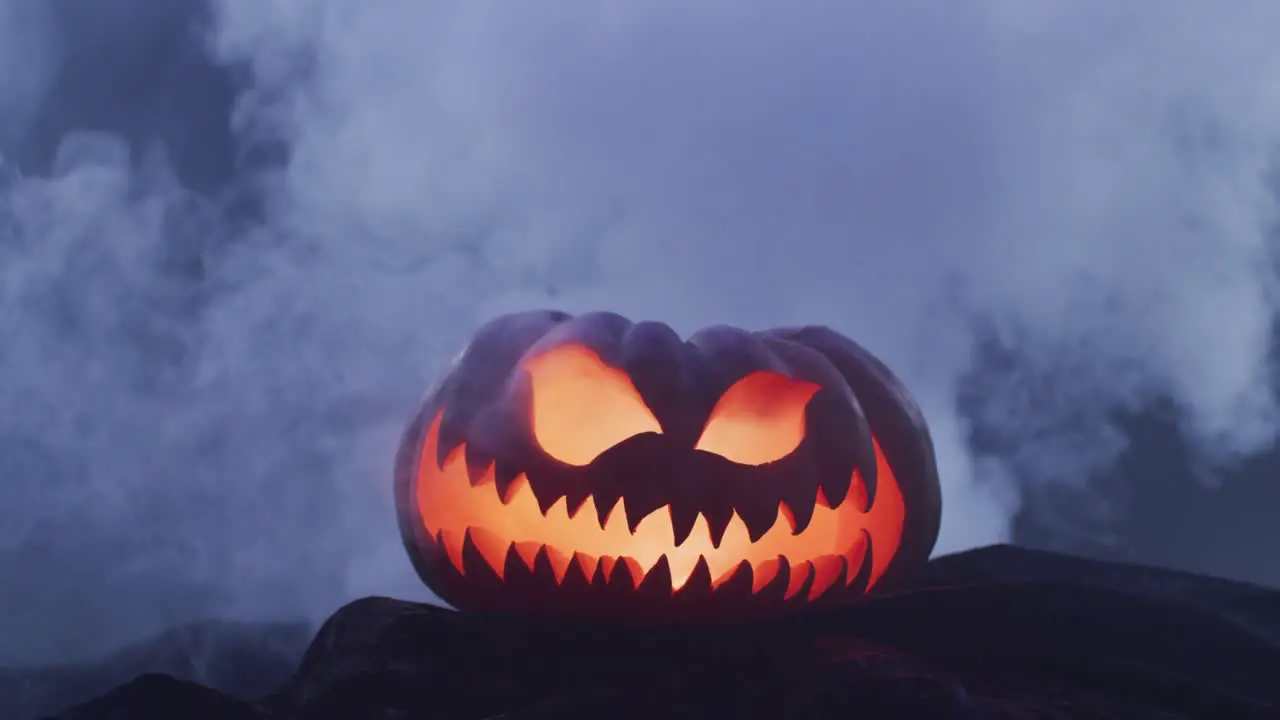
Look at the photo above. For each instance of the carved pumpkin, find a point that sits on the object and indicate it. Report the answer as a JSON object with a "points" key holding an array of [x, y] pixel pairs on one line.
{"points": [[598, 468]]}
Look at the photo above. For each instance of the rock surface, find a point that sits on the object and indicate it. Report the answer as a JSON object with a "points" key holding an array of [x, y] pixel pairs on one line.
{"points": [[239, 659], [1000, 632]]}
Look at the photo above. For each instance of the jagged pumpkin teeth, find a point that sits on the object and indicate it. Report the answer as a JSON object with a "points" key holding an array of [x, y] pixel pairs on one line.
{"points": [[821, 500], [479, 468], [606, 566], [492, 548], [858, 490], [573, 506], [854, 560], [664, 472], [451, 538], [826, 571], [587, 563], [634, 568], [518, 486], [528, 551], [765, 572], [786, 514], [450, 503], [799, 576], [682, 568], [654, 573], [559, 562], [684, 522]]}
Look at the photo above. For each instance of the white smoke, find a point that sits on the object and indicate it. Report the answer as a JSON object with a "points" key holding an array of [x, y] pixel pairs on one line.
{"points": [[1089, 182]]}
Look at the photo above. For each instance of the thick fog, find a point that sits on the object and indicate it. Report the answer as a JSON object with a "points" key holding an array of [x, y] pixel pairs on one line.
{"points": [[236, 245]]}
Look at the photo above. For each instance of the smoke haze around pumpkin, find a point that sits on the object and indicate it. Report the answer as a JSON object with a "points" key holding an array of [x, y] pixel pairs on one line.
{"points": [[201, 388]]}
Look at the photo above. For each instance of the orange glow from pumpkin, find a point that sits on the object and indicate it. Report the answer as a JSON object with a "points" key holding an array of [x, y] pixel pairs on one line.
{"points": [[758, 420], [581, 406], [451, 508]]}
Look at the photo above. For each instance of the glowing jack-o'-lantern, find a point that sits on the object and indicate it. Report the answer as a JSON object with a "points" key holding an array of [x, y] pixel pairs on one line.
{"points": [[593, 467]]}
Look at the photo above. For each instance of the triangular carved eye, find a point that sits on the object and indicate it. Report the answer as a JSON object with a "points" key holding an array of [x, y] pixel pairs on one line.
{"points": [[582, 406], [759, 419]]}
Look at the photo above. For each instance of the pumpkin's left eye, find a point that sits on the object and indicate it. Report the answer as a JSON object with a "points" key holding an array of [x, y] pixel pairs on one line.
{"points": [[582, 406], [759, 419]]}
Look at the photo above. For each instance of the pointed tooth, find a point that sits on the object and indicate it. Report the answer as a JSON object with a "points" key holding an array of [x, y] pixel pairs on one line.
{"points": [[799, 579], [599, 578], [718, 523], [632, 567], [449, 438], [480, 571], [798, 591], [736, 533], [785, 516], [642, 502], [715, 491], [517, 487], [558, 511], [737, 579], [606, 498], [636, 511], [771, 580], [546, 493], [822, 500], [766, 572], [758, 512], [839, 452], [858, 493], [701, 574], [683, 518], [491, 547], [626, 573], [452, 541], [856, 557], [587, 563], [544, 570], [834, 487], [575, 500], [605, 568], [430, 541], [842, 579], [657, 582], [827, 569], [697, 587], [527, 551], [681, 566], [574, 578], [518, 579], [478, 466], [861, 565], [841, 582], [514, 564], [560, 562], [618, 592], [504, 474], [800, 498]]}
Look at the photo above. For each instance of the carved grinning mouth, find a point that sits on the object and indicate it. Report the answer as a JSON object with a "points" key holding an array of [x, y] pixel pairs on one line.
{"points": [[835, 545]]}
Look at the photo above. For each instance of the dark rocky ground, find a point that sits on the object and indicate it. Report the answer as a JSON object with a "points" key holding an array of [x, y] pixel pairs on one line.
{"points": [[1000, 632]]}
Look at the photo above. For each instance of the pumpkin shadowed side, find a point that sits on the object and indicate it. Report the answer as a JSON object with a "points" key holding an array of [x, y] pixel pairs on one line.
{"points": [[598, 468]]}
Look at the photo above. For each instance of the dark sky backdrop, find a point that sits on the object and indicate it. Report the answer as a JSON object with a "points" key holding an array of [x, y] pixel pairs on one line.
{"points": [[238, 240]]}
